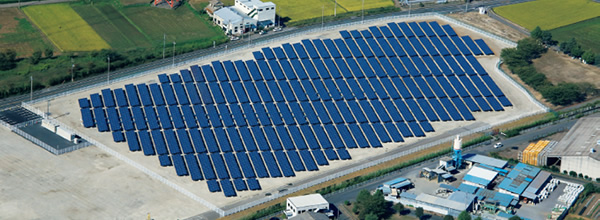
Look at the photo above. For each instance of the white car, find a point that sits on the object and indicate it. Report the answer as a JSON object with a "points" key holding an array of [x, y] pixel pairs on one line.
{"points": [[498, 145]]}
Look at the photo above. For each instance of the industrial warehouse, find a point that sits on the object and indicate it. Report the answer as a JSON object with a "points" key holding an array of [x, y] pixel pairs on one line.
{"points": [[486, 187]]}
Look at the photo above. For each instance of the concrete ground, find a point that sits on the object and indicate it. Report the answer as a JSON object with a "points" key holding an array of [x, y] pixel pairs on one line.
{"points": [[150, 192], [542, 209]]}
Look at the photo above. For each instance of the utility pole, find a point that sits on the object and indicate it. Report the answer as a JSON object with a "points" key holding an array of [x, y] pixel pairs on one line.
{"points": [[31, 90], [174, 53], [409, 8], [467, 6], [72, 66], [362, 20], [108, 71], [335, 9], [164, 44], [322, 15]]}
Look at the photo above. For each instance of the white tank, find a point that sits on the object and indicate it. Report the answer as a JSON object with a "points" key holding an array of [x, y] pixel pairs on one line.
{"points": [[457, 143]]}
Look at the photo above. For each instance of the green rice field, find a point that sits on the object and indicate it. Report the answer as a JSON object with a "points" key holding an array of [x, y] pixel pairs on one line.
{"points": [[586, 33], [549, 14]]}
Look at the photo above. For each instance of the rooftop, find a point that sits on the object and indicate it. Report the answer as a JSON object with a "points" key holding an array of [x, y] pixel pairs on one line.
{"points": [[395, 181], [519, 178], [501, 199], [467, 188], [490, 161], [228, 15], [537, 184], [480, 176], [307, 200], [457, 200], [257, 3], [580, 139]]}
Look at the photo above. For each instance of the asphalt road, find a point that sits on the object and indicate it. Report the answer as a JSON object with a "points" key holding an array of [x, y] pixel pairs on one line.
{"points": [[101, 78], [338, 198]]}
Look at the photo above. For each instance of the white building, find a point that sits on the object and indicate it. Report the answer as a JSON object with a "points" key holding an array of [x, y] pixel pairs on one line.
{"points": [[307, 203], [245, 15], [579, 149], [480, 177]]}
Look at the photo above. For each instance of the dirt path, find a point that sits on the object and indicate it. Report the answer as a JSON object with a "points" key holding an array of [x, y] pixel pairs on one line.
{"points": [[489, 24], [559, 67]]}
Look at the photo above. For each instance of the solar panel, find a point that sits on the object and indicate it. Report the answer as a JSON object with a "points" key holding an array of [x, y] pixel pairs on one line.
{"points": [[207, 167], [233, 166], [119, 96], [87, 118], [220, 167], [279, 54], [295, 160], [193, 166], [331, 48], [253, 184], [147, 147], [309, 162], [343, 48], [96, 100], [472, 46], [484, 47], [228, 189], [284, 163], [310, 48], [179, 164], [300, 51], [268, 53], [321, 48], [240, 185], [271, 164], [165, 160], [245, 164], [289, 51], [109, 99], [416, 29]]}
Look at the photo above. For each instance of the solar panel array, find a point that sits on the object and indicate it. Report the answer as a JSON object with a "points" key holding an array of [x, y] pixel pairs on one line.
{"points": [[297, 107]]}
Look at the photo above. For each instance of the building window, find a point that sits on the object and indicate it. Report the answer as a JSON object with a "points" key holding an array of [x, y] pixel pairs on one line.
{"points": [[267, 9], [272, 8], [260, 9]]}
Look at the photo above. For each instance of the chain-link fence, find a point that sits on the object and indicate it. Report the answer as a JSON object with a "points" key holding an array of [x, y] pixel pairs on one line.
{"points": [[358, 167]]}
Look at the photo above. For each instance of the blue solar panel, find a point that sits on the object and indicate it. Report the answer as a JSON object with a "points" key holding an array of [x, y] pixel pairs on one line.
{"points": [[358, 136], [421, 66], [309, 162], [353, 48], [372, 43], [415, 27], [449, 30], [404, 110], [252, 93], [295, 161], [179, 164], [247, 138], [213, 186], [272, 138], [118, 136], [271, 164], [320, 157], [371, 136], [451, 109], [177, 117], [472, 46], [424, 87], [403, 128], [233, 166], [268, 53], [368, 110], [279, 53], [494, 103], [461, 45], [406, 29], [321, 48], [424, 104], [309, 136], [240, 185], [217, 160], [119, 96], [147, 147], [163, 78], [225, 116], [345, 34], [343, 48], [395, 29], [417, 45], [346, 136], [222, 139], [196, 139], [126, 119], [431, 50], [228, 189], [458, 86], [169, 95], [96, 100], [478, 68], [286, 168], [483, 104], [109, 99], [375, 31], [439, 109], [416, 129], [258, 55], [261, 141], [289, 51], [386, 31], [407, 47], [253, 184], [157, 95], [113, 119], [380, 110], [392, 110], [87, 117], [207, 167], [470, 87], [245, 164], [331, 48], [193, 166], [484, 47], [310, 48], [242, 70], [322, 137], [231, 72], [172, 142], [437, 28], [397, 48], [300, 50], [463, 109], [132, 95], [450, 45], [209, 140], [165, 160], [481, 86], [357, 112], [393, 131], [389, 88], [276, 69]]}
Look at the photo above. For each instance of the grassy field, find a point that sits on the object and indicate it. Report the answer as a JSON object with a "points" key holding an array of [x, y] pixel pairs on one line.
{"points": [[549, 14], [586, 33], [201, 4], [180, 25], [17, 33], [135, 2], [356, 5], [65, 28], [112, 26]]}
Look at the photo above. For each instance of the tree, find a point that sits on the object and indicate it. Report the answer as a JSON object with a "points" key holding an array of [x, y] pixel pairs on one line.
{"points": [[8, 59], [370, 204], [48, 52], [371, 216], [572, 173], [514, 217], [589, 57], [537, 32], [347, 203], [419, 212], [464, 215], [563, 94], [35, 57], [448, 217], [530, 48], [399, 208], [513, 58]]}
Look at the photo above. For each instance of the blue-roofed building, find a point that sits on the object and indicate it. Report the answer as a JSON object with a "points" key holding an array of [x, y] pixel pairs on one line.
{"points": [[467, 188], [493, 200], [480, 177], [395, 185], [245, 15], [518, 179]]}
